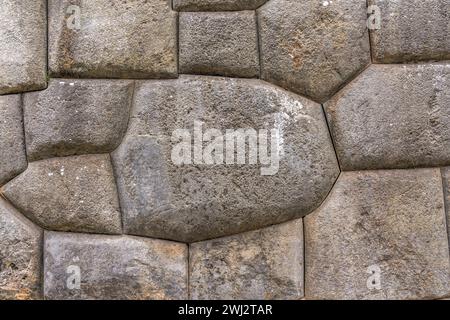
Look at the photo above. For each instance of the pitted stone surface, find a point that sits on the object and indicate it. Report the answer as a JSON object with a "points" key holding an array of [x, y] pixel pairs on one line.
{"points": [[194, 202], [68, 194], [393, 116], [446, 185], [112, 39], [411, 30], [23, 50], [113, 267], [387, 223], [20, 255], [219, 43], [13, 159], [313, 47], [217, 5], [262, 264], [76, 117]]}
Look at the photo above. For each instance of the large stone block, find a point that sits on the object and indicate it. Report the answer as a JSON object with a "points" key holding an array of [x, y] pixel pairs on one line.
{"points": [[20, 255], [79, 266], [206, 194], [13, 159], [23, 50], [219, 43], [112, 39], [76, 194], [393, 116], [313, 47], [379, 235], [262, 264], [411, 30], [217, 5], [76, 117]]}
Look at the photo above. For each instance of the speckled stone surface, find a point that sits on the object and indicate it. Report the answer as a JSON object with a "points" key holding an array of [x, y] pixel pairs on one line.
{"points": [[95, 267], [262, 264]]}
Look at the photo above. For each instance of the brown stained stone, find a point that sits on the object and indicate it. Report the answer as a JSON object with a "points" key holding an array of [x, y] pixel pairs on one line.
{"points": [[114, 39], [313, 47]]}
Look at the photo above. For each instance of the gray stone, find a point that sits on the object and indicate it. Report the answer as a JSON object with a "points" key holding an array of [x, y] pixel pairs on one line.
{"points": [[196, 201], [76, 194], [217, 5], [100, 267], [393, 116], [219, 43], [379, 235], [20, 255], [13, 159], [112, 39], [446, 185], [411, 30], [257, 265], [23, 53], [313, 47], [76, 117]]}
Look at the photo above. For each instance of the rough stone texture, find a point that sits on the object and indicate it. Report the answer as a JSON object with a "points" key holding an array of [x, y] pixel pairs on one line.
{"points": [[262, 264], [76, 117], [23, 50], [411, 30], [195, 202], [446, 186], [313, 47], [391, 219], [68, 194], [114, 267], [217, 5], [20, 255], [13, 159], [219, 43], [127, 39], [393, 117]]}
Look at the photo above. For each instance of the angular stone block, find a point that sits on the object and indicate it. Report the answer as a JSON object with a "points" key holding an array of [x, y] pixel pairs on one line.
{"points": [[217, 5], [76, 117], [76, 194], [379, 235], [13, 159], [313, 47], [393, 116], [112, 39], [209, 194], [219, 43], [79, 266], [257, 265], [411, 30], [20, 255], [23, 53]]}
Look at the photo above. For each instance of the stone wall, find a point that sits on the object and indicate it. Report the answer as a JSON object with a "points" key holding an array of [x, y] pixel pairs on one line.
{"points": [[93, 205]]}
